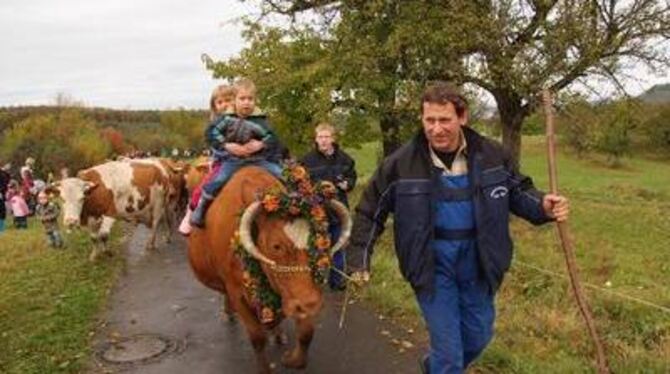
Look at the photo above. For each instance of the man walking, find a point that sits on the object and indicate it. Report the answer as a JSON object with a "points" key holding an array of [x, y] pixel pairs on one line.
{"points": [[451, 192]]}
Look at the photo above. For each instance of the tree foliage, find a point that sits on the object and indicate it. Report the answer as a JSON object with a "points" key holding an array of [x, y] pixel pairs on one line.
{"points": [[657, 127], [380, 52], [55, 140]]}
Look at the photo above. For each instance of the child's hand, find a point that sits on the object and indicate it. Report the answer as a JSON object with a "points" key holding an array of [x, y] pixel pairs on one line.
{"points": [[237, 150], [253, 146]]}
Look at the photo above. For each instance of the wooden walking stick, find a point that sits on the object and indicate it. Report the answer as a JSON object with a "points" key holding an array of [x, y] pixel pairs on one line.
{"points": [[566, 239]]}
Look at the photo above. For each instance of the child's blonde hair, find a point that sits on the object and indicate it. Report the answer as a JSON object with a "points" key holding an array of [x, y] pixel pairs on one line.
{"points": [[223, 91], [325, 126], [244, 84]]}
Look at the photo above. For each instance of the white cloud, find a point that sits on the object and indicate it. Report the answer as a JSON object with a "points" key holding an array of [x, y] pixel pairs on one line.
{"points": [[124, 54]]}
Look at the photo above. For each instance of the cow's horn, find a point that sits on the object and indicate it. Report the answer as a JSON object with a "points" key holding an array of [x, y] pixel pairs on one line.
{"points": [[345, 220], [247, 241]]}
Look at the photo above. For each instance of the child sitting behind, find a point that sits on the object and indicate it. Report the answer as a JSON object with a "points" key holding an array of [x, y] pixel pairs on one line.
{"points": [[239, 139], [222, 101], [47, 212]]}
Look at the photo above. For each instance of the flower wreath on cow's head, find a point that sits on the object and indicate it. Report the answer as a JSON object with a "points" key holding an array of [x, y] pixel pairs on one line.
{"points": [[299, 200]]}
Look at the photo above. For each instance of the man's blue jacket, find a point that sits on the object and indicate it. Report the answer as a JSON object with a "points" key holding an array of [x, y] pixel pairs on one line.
{"points": [[407, 185]]}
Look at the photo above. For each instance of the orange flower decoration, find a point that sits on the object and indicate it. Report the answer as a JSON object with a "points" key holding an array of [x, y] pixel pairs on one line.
{"points": [[318, 213], [267, 315], [298, 173], [322, 242], [306, 188], [270, 203], [323, 262]]}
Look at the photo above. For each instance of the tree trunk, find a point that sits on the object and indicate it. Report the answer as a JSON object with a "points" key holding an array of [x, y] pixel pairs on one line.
{"points": [[390, 126], [512, 114]]}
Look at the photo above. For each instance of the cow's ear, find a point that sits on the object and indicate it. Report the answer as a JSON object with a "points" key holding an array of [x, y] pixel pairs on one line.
{"points": [[90, 186]]}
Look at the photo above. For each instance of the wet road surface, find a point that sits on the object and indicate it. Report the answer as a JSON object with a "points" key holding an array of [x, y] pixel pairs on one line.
{"points": [[158, 296]]}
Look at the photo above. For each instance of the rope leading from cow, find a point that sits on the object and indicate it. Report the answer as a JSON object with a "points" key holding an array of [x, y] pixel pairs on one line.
{"points": [[566, 240]]}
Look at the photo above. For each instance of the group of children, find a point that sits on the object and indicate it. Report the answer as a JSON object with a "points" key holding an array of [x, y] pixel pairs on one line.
{"points": [[46, 210], [238, 135]]}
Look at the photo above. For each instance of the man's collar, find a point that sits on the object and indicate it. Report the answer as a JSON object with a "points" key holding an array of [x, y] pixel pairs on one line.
{"points": [[461, 152]]}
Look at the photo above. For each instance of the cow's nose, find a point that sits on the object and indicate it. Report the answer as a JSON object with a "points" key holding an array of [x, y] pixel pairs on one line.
{"points": [[305, 307], [71, 222]]}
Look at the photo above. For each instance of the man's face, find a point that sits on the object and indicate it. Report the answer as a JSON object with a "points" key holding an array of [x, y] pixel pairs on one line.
{"points": [[324, 141], [442, 126], [245, 102]]}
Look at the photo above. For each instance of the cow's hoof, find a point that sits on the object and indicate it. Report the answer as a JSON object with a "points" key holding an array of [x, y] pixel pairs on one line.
{"points": [[294, 360], [227, 316]]}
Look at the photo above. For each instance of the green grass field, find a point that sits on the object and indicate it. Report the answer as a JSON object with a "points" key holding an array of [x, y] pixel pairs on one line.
{"points": [[49, 301], [621, 226]]}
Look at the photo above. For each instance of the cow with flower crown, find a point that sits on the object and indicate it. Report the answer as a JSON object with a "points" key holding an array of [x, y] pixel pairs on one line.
{"points": [[265, 246]]}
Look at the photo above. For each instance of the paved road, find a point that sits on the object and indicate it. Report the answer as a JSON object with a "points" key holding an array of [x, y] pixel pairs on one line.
{"points": [[157, 294]]}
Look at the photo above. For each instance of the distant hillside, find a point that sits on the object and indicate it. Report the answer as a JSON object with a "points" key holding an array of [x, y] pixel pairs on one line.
{"points": [[103, 116], [658, 94]]}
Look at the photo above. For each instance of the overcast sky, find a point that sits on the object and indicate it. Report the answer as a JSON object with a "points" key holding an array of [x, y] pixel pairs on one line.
{"points": [[120, 53], [124, 53]]}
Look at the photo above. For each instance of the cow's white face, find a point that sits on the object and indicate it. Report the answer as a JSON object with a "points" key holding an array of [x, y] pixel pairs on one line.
{"points": [[73, 191]]}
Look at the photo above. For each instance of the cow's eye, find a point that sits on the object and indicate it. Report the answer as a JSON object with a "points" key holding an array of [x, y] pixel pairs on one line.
{"points": [[276, 247]]}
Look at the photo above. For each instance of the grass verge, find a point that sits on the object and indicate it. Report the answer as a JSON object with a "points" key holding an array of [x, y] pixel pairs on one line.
{"points": [[49, 300]]}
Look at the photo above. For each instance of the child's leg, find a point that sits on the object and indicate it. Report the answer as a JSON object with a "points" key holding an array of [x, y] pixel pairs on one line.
{"points": [[210, 189], [58, 239], [51, 239], [21, 222], [274, 168], [197, 192], [185, 225], [2, 224]]}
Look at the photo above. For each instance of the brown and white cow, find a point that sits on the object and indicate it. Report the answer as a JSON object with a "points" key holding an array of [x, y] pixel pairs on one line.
{"points": [[128, 190], [177, 193], [280, 246]]}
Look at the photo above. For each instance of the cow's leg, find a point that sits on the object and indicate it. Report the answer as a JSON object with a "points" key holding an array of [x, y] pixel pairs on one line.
{"points": [[256, 333], [168, 223], [227, 311], [297, 358], [156, 217], [94, 228], [279, 335], [103, 234]]}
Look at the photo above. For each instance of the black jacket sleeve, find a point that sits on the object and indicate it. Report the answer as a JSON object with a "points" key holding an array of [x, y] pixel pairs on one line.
{"points": [[370, 217], [350, 173], [525, 200]]}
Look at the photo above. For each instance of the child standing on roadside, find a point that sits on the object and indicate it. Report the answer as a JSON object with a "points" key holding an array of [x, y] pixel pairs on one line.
{"points": [[16, 197], [47, 211]]}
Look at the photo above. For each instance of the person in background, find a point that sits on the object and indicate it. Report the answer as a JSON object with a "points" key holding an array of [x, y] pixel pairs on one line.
{"points": [[3, 213], [328, 162], [16, 197], [47, 211], [4, 184]]}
